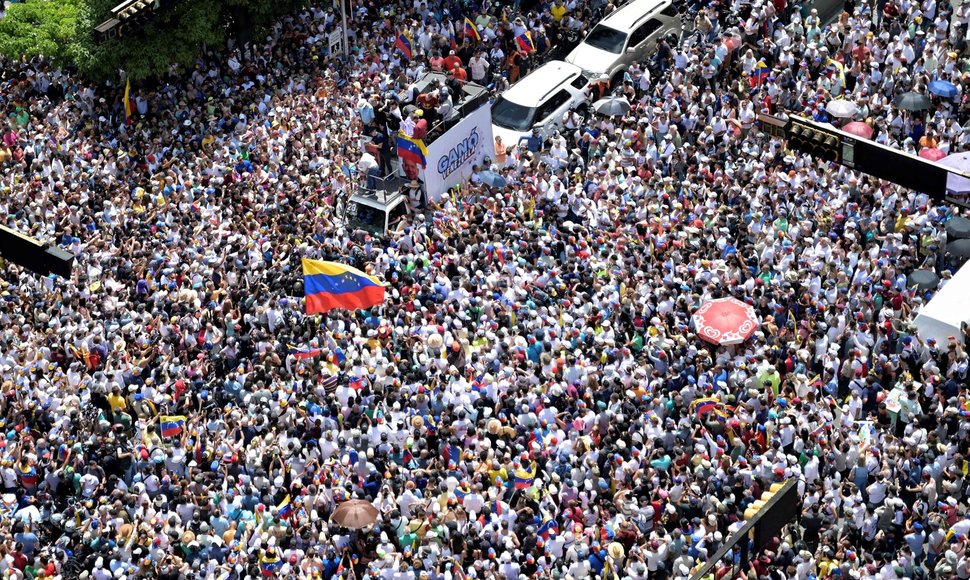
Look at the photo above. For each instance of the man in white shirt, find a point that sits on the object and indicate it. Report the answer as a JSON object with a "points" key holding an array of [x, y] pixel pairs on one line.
{"points": [[478, 67]]}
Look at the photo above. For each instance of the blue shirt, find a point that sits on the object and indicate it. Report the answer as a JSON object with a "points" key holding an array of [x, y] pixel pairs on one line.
{"points": [[29, 541]]}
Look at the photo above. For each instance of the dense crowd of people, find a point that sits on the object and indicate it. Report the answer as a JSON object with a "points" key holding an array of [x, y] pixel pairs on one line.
{"points": [[520, 406]]}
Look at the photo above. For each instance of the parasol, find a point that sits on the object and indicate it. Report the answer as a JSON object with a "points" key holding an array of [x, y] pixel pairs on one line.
{"points": [[725, 321], [354, 514]]}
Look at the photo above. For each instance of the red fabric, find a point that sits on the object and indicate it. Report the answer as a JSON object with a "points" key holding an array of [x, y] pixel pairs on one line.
{"points": [[363, 298]]}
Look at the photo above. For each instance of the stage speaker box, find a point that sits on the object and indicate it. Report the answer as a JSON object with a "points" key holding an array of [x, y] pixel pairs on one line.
{"points": [[31, 254]]}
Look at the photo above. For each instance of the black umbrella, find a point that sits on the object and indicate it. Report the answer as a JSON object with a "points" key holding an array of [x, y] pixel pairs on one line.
{"points": [[923, 280], [912, 101], [958, 228], [959, 249]]}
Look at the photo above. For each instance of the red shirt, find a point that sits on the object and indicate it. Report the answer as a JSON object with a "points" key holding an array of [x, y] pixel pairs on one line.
{"points": [[451, 61]]}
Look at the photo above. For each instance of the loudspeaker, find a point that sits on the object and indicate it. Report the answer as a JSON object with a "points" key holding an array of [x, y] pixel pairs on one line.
{"points": [[31, 254]]}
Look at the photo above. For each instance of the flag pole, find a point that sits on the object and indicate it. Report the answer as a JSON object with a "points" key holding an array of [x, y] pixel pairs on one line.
{"points": [[343, 20]]}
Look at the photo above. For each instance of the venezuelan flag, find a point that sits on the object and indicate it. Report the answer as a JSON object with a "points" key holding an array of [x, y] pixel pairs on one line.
{"points": [[412, 150], [129, 111], [304, 352], [269, 565], [285, 508], [172, 425], [547, 529], [524, 477], [706, 405], [452, 454], [403, 43], [329, 285], [524, 41], [462, 490], [837, 68], [471, 31], [760, 72]]}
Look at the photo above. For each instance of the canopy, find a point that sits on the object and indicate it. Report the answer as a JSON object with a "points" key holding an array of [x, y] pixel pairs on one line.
{"points": [[942, 316]]}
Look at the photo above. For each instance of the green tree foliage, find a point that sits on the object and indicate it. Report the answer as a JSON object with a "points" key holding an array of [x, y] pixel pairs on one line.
{"points": [[39, 27], [174, 36], [63, 29]]}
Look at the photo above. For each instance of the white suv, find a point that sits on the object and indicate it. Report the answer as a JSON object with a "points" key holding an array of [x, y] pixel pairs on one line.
{"points": [[538, 101], [626, 36]]}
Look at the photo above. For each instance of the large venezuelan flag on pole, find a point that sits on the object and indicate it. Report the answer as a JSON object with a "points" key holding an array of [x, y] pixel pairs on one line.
{"points": [[129, 110], [329, 285]]}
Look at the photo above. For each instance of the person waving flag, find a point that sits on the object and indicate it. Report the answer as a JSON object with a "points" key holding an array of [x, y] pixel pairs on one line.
{"points": [[471, 32], [525, 42], [403, 43]]}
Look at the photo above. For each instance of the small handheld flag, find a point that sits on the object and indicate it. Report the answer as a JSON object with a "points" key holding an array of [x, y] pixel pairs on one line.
{"points": [[304, 352], [524, 41], [471, 32], [171, 425], [285, 508], [547, 529], [524, 477], [706, 405], [403, 43], [129, 111], [760, 72]]}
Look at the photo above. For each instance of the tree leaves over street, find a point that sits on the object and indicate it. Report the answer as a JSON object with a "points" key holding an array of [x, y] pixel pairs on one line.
{"points": [[39, 27], [63, 31]]}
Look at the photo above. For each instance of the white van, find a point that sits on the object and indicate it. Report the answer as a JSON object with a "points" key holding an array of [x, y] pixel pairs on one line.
{"points": [[628, 35], [538, 101]]}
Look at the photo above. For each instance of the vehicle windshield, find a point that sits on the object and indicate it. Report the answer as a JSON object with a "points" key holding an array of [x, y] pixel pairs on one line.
{"points": [[510, 115], [606, 38]]}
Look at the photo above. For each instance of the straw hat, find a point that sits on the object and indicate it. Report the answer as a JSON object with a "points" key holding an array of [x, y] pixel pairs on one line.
{"points": [[615, 550]]}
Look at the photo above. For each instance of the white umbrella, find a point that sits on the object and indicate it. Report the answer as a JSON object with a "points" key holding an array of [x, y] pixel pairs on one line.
{"points": [[957, 183], [842, 108]]}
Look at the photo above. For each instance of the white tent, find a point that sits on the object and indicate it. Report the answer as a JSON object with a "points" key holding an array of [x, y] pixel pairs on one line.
{"points": [[942, 316]]}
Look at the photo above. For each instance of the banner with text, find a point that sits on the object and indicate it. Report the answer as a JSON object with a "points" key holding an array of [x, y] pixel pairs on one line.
{"points": [[451, 156]]}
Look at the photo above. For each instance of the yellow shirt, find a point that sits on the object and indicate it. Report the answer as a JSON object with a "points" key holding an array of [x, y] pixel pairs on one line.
{"points": [[558, 11], [495, 474], [117, 402]]}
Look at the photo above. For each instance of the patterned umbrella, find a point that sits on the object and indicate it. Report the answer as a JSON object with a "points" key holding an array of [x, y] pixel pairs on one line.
{"points": [[725, 321]]}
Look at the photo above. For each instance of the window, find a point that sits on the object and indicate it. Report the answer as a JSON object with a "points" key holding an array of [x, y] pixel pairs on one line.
{"points": [[670, 11], [552, 105], [513, 116], [579, 82], [606, 38], [644, 31]]}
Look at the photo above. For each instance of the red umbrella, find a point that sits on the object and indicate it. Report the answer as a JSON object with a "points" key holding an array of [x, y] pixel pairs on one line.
{"points": [[725, 321], [859, 129], [931, 153]]}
